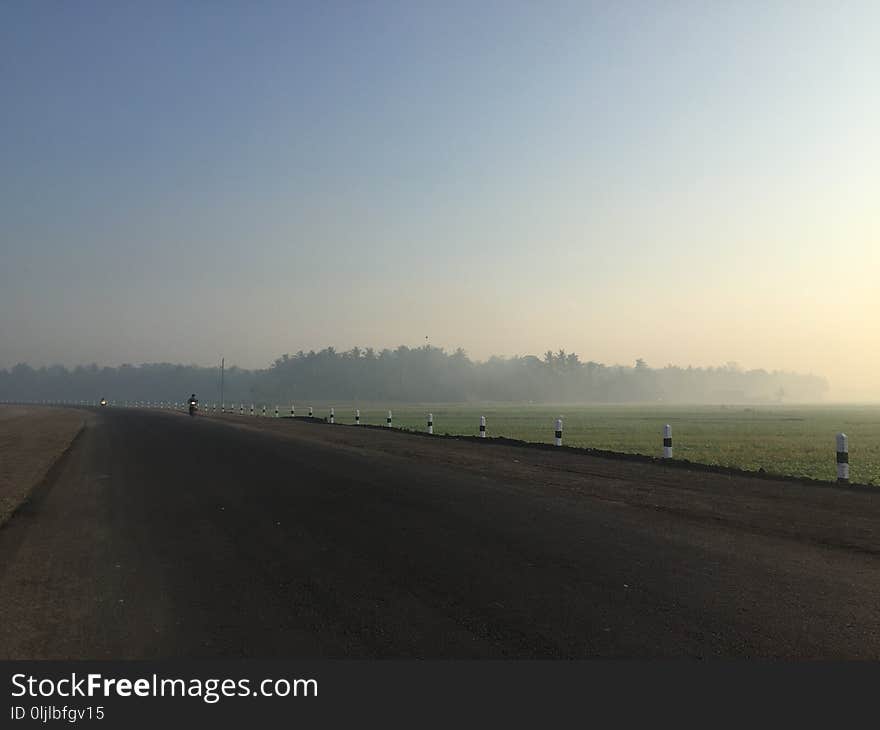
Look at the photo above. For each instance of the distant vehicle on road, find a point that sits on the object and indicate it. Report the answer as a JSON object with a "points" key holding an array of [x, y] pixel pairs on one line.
{"points": [[193, 404], [103, 402]]}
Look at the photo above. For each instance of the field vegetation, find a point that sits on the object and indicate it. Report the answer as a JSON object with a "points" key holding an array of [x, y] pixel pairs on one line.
{"points": [[791, 440]]}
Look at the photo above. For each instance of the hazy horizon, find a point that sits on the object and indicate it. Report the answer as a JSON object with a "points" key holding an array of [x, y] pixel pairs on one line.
{"points": [[688, 184]]}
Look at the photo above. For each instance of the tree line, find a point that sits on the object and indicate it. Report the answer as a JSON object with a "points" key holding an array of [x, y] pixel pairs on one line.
{"points": [[423, 374]]}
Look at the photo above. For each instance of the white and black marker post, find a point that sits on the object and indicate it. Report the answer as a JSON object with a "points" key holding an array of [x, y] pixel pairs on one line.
{"points": [[241, 409], [431, 423], [842, 459], [388, 420], [292, 411], [667, 441], [276, 411], [264, 411], [311, 412], [357, 417], [332, 415], [558, 440], [252, 409], [482, 427]]}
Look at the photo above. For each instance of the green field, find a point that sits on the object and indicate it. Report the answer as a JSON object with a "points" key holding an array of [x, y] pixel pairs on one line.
{"points": [[792, 440]]}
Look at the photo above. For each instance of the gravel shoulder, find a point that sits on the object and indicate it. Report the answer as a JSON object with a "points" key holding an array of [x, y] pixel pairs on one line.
{"points": [[32, 438]]}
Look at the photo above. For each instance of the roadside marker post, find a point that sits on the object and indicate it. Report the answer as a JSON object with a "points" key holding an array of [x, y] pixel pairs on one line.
{"points": [[241, 409], [388, 420], [667, 441], [292, 411], [357, 417], [264, 411], [311, 412], [558, 434], [276, 411], [431, 423], [482, 427], [252, 409], [332, 416], [842, 459]]}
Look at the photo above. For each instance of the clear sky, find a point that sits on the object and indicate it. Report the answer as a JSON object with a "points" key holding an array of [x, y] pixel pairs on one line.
{"points": [[691, 183]]}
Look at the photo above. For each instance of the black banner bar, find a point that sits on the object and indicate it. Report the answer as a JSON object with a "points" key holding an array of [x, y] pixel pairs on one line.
{"points": [[418, 693]]}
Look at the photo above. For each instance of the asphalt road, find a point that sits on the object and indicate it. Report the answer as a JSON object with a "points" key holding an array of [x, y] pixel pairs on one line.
{"points": [[158, 535]]}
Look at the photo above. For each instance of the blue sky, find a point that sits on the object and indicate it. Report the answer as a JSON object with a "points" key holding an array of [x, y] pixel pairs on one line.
{"points": [[685, 182]]}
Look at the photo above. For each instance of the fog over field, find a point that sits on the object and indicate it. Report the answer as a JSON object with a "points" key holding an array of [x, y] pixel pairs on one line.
{"points": [[425, 374], [693, 184]]}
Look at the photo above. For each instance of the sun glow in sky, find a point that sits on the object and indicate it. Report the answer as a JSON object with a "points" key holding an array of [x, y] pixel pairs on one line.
{"points": [[690, 183]]}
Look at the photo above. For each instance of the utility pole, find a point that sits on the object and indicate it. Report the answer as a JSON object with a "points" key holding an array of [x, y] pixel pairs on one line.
{"points": [[222, 363]]}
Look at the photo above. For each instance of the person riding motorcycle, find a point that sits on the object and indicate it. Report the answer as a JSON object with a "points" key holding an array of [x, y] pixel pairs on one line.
{"points": [[193, 404]]}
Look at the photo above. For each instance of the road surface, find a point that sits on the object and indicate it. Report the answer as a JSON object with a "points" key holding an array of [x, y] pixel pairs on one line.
{"points": [[161, 536]]}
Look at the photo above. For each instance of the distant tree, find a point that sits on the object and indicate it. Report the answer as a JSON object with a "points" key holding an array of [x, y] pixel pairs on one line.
{"points": [[425, 373]]}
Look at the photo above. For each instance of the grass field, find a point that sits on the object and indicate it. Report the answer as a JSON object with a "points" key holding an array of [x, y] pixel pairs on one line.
{"points": [[792, 440]]}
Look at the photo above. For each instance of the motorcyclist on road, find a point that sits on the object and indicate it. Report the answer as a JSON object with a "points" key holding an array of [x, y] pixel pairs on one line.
{"points": [[193, 404]]}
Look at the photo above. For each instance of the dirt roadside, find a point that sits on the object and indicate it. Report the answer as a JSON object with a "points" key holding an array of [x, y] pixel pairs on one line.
{"points": [[32, 438], [826, 515]]}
